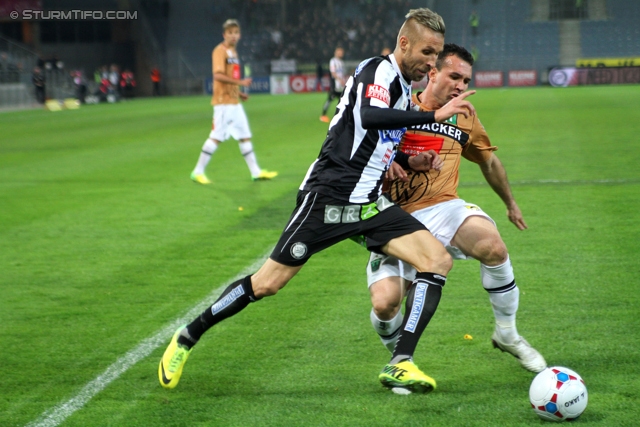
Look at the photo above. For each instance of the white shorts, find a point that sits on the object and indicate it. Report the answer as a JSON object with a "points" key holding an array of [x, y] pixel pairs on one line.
{"points": [[229, 120], [443, 221]]}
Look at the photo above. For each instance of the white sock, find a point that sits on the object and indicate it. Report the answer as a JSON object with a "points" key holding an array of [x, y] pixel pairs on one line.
{"points": [[208, 149], [246, 148], [388, 330], [499, 282]]}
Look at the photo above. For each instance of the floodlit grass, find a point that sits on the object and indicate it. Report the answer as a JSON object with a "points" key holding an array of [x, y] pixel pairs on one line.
{"points": [[104, 241]]}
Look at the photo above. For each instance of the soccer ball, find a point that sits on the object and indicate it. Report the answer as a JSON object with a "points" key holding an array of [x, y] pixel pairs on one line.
{"points": [[558, 394]]}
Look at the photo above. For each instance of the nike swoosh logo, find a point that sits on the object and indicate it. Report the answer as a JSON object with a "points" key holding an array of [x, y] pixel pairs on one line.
{"points": [[164, 377]]}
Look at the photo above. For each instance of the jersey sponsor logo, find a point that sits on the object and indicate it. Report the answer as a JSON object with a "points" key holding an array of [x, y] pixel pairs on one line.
{"points": [[298, 250], [473, 207], [236, 71], [444, 129], [452, 120], [228, 299], [414, 144], [394, 136], [416, 309], [378, 92]]}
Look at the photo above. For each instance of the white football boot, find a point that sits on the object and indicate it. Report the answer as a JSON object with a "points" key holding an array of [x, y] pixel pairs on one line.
{"points": [[528, 356]]}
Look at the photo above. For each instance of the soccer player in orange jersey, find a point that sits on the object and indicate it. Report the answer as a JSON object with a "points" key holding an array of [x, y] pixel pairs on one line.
{"points": [[463, 228], [229, 118]]}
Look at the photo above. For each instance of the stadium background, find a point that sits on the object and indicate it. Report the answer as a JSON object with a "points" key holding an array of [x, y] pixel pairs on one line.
{"points": [[106, 245], [177, 37]]}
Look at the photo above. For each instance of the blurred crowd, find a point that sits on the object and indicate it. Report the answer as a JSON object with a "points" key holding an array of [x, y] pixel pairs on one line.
{"points": [[311, 33], [108, 83]]}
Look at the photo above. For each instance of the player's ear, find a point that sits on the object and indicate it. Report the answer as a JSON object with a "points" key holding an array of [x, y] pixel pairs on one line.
{"points": [[404, 43]]}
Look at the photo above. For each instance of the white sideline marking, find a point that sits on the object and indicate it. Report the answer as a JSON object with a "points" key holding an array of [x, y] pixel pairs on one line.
{"points": [[55, 416]]}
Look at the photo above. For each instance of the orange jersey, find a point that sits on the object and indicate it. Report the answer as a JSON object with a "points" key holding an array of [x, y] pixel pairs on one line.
{"points": [[225, 61], [458, 136]]}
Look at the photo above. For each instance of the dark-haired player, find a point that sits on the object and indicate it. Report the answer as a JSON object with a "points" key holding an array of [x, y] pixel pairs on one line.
{"points": [[463, 228]]}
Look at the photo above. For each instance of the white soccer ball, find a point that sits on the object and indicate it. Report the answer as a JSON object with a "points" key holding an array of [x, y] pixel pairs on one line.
{"points": [[558, 394]]}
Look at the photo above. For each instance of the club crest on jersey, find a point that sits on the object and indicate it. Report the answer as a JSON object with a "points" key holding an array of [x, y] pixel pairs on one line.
{"points": [[378, 92]]}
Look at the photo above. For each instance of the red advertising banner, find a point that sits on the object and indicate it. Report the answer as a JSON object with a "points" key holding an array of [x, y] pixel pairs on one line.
{"points": [[488, 79], [523, 78], [301, 83], [561, 77]]}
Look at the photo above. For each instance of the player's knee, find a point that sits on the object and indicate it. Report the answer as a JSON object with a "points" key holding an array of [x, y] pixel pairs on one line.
{"points": [[438, 261], [385, 300], [492, 251], [444, 262]]}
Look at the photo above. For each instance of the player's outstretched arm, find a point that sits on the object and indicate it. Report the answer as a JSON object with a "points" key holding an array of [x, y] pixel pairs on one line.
{"points": [[496, 177], [458, 105]]}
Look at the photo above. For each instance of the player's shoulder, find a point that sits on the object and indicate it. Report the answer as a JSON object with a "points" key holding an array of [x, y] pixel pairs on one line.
{"points": [[373, 64], [471, 123], [219, 48]]}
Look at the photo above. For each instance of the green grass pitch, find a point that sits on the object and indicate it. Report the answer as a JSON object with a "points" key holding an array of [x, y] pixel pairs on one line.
{"points": [[104, 242]]}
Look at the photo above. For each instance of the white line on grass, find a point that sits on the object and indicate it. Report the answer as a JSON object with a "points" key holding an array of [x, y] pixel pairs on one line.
{"points": [[55, 416]]}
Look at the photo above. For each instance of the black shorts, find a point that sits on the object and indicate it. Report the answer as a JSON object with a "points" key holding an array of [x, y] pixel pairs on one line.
{"points": [[319, 221]]}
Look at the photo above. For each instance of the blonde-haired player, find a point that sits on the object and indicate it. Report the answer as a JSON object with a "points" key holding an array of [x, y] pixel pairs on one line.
{"points": [[229, 118]]}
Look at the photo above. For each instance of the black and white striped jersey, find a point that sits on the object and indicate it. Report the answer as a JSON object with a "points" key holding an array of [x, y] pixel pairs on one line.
{"points": [[353, 159]]}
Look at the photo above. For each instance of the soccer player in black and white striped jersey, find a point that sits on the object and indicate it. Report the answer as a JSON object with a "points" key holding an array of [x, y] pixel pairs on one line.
{"points": [[341, 197], [337, 81]]}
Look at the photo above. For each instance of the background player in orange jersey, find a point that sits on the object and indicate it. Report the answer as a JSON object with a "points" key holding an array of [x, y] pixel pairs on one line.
{"points": [[463, 228], [229, 118]]}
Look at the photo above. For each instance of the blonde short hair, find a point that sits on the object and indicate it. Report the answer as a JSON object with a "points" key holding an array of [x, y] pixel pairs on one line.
{"points": [[230, 23], [426, 18]]}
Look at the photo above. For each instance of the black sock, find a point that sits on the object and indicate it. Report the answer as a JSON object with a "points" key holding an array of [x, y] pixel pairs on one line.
{"points": [[422, 301], [234, 299]]}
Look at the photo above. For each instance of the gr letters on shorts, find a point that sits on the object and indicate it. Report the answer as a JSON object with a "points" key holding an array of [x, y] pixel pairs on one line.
{"points": [[353, 213]]}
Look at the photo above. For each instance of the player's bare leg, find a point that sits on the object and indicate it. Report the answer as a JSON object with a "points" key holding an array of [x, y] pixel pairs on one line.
{"points": [[269, 279], [432, 262], [479, 238]]}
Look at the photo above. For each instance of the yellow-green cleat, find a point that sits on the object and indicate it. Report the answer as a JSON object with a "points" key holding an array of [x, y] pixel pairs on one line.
{"points": [[264, 175], [200, 178], [405, 378], [172, 362]]}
